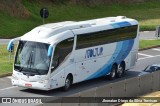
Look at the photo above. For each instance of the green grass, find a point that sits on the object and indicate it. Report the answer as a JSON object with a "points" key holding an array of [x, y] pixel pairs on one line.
{"points": [[148, 43], [146, 13], [6, 66]]}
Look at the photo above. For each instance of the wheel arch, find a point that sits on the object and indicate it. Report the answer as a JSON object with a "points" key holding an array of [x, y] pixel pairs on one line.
{"points": [[71, 76], [124, 63]]}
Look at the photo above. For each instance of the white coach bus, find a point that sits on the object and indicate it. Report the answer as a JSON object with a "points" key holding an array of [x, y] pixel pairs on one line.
{"points": [[60, 54]]}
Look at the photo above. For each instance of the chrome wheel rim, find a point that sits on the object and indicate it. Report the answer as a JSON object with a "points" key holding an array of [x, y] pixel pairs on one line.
{"points": [[113, 73], [67, 83], [120, 71]]}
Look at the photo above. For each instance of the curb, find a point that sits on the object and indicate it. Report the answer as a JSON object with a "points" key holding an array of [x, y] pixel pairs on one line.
{"points": [[6, 74], [9, 74], [149, 47]]}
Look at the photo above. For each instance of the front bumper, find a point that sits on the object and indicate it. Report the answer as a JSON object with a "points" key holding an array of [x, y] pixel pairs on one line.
{"points": [[32, 85]]}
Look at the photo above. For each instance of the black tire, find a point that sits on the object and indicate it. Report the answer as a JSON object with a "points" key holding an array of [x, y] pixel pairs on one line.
{"points": [[120, 70], [112, 75], [68, 83]]}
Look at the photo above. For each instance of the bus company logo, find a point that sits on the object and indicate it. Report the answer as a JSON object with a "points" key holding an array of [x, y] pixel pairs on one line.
{"points": [[94, 52]]}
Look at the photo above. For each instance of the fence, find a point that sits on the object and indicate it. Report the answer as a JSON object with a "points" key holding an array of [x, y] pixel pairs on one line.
{"points": [[132, 87]]}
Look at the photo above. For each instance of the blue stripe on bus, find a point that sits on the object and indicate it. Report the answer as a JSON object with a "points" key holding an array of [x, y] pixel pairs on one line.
{"points": [[106, 67], [124, 51], [121, 49], [121, 24]]}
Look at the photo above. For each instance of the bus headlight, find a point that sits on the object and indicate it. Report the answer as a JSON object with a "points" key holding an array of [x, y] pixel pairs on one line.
{"points": [[44, 81], [14, 77]]}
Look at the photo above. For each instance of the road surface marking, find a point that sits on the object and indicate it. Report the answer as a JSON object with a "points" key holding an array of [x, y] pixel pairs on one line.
{"points": [[156, 49], [148, 57], [145, 55], [8, 88]]}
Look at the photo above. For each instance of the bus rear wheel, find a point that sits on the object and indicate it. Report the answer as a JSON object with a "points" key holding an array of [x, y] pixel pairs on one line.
{"points": [[68, 83], [120, 70], [113, 72]]}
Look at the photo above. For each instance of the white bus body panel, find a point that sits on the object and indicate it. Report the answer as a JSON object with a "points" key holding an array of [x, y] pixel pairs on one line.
{"points": [[83, 64]]}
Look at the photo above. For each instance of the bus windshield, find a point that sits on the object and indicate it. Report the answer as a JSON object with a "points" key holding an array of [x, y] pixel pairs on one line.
{"points": [[31, 58]]}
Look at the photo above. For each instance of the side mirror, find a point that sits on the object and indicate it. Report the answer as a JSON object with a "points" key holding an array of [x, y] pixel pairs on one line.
{"points": [[50, 50], [10, 46]]}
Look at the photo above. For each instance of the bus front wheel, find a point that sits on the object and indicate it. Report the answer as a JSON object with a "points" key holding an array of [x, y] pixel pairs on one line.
{"points": [[68, 83]]}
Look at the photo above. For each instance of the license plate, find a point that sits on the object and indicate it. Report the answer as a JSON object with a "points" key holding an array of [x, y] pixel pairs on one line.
{"points": [[28, 85]]}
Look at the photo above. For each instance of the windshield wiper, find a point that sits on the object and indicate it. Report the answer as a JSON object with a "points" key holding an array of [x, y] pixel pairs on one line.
{"points": [[30, 60], [37, 71], [18, 68]]}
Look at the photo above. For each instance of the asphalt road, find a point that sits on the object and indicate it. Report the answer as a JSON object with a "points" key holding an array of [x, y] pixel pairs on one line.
{"points": [[146, 57], [4, 41], [148, 35]]}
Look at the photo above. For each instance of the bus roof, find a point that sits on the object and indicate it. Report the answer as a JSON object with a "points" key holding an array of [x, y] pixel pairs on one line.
{"points": [[46, 33]]}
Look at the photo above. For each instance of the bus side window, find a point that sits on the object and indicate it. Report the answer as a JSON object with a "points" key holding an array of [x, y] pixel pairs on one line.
{"points": [[62, 50]]}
